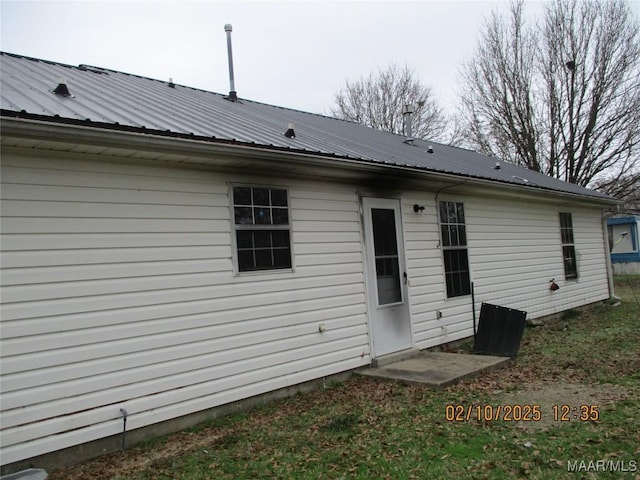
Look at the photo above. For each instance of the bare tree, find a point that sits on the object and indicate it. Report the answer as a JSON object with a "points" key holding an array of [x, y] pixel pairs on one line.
{"points": [[626, 188], [378, 101], [562, 97]]}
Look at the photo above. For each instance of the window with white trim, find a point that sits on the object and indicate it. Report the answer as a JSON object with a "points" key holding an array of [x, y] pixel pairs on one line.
{"points": [[454, 249], [262, 228], [568, 246]]}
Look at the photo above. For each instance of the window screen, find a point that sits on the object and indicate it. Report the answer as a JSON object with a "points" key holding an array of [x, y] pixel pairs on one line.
{"points": [[263, 233], [454, 249], [568, 246]]}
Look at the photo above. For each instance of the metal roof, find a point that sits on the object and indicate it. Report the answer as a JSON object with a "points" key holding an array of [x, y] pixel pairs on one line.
{"points": [[105, 98]]}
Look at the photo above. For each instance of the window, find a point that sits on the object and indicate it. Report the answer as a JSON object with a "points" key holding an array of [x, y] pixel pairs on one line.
{"points": [[263, 237], [568, 247], [385, 243], [622, 238], [454, 248]]}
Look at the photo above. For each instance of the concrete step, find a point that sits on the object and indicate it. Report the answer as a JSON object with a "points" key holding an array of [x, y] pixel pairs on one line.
{"points": [[436, 369], [394, 357]]}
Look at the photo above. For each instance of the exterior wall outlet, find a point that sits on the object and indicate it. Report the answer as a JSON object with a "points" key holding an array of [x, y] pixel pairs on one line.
{"points": [[438, 314]]}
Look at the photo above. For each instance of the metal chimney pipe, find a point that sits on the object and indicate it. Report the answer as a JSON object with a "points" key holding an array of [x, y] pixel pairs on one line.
{"points": [[407, 113], [233, 97]]}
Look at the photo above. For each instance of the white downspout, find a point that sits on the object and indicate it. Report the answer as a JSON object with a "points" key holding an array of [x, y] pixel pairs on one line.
{"points": [[605, 233]]}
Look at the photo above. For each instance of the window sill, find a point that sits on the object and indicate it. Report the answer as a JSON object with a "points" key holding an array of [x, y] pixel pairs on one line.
{"points": [[276, 274], [457, 297]]}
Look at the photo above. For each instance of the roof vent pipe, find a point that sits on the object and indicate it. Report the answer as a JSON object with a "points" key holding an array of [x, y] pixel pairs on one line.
{"points": [[407, 115], [62, 89], [290, 133], [233, 97]]}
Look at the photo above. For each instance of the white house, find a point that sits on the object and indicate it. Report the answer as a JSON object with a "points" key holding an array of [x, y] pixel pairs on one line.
{"points": [[167, 251]]}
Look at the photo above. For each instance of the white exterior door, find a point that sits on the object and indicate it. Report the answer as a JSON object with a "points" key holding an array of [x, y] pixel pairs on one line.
{"points": [[386, 276]]}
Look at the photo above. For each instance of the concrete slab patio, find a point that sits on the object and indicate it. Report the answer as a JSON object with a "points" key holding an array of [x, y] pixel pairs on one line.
{"points": [[435, 369]]}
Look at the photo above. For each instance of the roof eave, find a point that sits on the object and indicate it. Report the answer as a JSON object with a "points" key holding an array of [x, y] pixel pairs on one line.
{"points": [[61, 130]]}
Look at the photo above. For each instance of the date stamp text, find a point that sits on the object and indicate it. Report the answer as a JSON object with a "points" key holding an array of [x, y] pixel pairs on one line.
{"points": [[520, 413]]}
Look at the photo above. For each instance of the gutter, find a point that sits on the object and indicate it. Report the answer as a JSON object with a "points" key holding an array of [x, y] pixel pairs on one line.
{"points": [[110, 136]]}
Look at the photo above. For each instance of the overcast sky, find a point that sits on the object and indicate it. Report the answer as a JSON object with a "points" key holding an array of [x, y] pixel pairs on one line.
{"points": [[294, 54]]}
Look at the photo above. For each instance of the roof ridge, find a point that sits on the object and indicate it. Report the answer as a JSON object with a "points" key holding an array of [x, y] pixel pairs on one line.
{"points": [[34, 59], [89, 67], [96, 69]]}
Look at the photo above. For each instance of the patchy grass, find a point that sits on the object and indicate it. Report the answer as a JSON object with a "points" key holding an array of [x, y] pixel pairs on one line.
{"points": [[367, 429]]}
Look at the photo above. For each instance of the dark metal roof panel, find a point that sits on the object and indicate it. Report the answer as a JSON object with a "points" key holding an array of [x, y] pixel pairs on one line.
{"points": [[119, 99]]}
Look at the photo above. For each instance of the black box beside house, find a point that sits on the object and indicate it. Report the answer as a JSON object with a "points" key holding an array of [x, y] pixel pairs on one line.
{"points": [[499, 331]]}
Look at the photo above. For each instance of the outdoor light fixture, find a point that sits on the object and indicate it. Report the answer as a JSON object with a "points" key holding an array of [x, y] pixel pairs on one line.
{"points": [[418, 208], [290, 133], [553, 285]]}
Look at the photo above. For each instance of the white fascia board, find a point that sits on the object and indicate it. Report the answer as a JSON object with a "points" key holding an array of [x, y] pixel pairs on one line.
{"points": [[203, 152]]}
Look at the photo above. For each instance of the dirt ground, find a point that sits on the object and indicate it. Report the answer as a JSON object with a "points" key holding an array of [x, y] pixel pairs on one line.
{"points": [[136, 459], [573, 395], [544, 394]]}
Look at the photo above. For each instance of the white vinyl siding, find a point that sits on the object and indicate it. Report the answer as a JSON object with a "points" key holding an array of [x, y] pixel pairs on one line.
{"points": [[119, 292], [514, 252], [517, 251], [427, 290]]}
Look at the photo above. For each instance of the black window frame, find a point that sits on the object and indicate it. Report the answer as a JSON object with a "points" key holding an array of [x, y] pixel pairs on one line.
{"points": [[261, 218], [455, 252], [567, 239]]}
